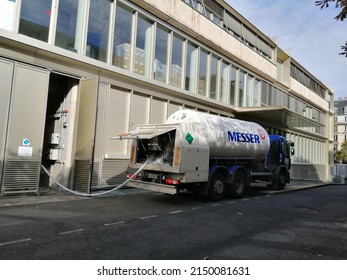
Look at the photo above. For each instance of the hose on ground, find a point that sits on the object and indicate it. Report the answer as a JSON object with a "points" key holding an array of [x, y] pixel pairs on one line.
{"points": [[94, 194]]}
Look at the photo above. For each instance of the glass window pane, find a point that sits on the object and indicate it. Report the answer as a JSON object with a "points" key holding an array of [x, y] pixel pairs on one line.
{"points": [[160, 61], [224, 80], [233, 72], [213, 77], [176, 61], [250, 89], [191, 67], [202, 72], [35, 16], [256, 95], [143, 46], [65, 36], [122, 37], [98, 23], [241, 88], [7, 14]]}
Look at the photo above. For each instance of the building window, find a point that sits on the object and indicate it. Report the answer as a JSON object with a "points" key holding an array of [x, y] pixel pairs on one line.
{"points": [[213, 77], [233, 72], [143, 46], [202, 72], [256, 95], [65, 36], [8, 11], [345, 110], [336, 111], [160, 60], [224, 81], [249, 90], [35, 16], [241, 87], [122, 37], [176, 61], [190, 69], [98, 26]]}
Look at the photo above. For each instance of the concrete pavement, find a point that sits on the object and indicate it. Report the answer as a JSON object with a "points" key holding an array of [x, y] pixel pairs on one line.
{"points": [[52, 196]]}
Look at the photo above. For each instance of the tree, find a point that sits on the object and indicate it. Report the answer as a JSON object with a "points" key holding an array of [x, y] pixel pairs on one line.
{"points": [[339, 4], [341, 154]]}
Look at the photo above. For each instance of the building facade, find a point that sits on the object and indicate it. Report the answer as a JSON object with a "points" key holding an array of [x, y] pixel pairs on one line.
{"points": [[77, 72], [340, 128]]}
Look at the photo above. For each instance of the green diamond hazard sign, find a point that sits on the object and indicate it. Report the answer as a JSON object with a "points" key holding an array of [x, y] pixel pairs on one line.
{"points": [[189, 138]]}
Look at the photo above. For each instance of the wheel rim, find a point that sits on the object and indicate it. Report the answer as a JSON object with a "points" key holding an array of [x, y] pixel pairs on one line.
{"points": [[218, 187]]}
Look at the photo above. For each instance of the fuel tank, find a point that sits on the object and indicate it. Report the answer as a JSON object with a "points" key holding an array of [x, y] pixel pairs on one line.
{"points": [[225, 137]]}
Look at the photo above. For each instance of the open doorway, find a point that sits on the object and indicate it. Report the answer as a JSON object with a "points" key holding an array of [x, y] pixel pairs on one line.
{"points": [[59, 128]]}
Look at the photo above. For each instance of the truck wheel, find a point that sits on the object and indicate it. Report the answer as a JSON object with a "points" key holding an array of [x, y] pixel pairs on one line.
{"points": [[239, 184], [280, 179], [217, 187]]}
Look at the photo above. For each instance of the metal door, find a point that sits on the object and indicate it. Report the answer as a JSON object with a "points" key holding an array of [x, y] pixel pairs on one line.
{"points": [[25, 130], [85, 133]]}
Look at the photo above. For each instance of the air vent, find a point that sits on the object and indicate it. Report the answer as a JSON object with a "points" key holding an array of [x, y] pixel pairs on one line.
{"points": [[21, 177], [82, 175]]}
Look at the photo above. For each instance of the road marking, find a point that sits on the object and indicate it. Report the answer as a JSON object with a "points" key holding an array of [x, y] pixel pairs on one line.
{"points": [[196, 208], [256, 197], [15, 241], [268, 195], [148, 217], [176, 212], [217, 204], [230, 202], [71, 231], [115, 223], [245, 199]]}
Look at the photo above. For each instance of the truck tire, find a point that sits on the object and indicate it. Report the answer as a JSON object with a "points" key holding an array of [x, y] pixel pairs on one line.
{"points": [[217, 187], [239, 184], [280, 179]]}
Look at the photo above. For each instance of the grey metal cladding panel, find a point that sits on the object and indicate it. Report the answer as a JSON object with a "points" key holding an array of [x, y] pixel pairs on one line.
{"points": [[28, 111], [21, 176], [82, 175]]}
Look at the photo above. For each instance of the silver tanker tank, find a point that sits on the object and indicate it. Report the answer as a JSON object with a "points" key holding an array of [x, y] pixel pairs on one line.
{"points": [[225, 137]]}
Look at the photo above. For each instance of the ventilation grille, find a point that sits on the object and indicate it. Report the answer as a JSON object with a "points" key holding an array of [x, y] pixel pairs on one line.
{"points": [[21, 177], [82, 175], [96, 174], [113, 171], [112, 174]]}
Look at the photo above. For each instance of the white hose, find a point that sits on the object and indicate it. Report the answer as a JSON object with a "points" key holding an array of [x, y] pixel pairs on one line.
{"points": [[96, 194]]}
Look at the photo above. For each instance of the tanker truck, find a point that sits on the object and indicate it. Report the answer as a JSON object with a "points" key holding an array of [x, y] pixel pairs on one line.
{"points": [[207, 154]]}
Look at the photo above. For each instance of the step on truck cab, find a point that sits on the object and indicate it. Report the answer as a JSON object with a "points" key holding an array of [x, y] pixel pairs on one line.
{"points": [[208, 154]]}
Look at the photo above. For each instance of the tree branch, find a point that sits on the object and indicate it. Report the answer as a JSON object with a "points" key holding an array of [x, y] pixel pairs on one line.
{"points": [[344, 50]]}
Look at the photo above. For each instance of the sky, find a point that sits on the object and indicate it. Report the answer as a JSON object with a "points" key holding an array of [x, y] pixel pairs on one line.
{"points": [[311, 36]]}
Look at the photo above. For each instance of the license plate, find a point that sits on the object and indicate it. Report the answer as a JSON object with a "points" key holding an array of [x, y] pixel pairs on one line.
{"points": [[152, 176]]}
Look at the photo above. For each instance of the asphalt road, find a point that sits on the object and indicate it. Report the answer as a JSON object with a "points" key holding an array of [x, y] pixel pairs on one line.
{"points": [[306, 224]]}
